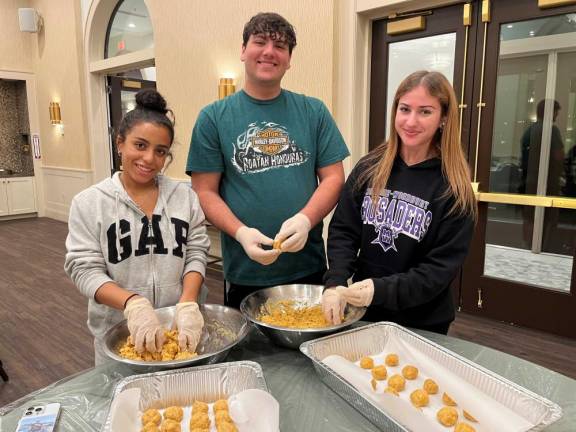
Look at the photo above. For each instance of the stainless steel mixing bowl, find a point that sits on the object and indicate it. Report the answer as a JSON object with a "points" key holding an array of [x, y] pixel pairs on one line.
{"points": [[224, 327], [305, 295]]}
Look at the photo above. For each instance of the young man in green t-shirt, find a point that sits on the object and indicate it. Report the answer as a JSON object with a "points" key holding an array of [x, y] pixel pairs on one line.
{"points": [[266, 164]]}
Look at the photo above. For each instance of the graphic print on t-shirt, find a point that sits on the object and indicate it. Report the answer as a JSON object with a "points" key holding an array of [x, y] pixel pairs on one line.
{"points": [[264, 146], [396, 213]]}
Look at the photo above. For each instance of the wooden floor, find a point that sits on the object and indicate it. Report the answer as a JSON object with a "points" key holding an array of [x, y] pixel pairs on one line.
{"points": [[43, 334]]}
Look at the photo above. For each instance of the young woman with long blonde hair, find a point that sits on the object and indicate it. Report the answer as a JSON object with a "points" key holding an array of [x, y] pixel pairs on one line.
{"points": [[404, 221]]}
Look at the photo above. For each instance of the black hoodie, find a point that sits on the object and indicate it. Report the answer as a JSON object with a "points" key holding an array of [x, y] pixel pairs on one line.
{"points": [[409, 244]]}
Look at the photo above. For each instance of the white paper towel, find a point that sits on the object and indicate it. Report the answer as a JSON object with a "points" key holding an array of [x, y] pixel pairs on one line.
{"points": [[491, 415], [252, 410]]}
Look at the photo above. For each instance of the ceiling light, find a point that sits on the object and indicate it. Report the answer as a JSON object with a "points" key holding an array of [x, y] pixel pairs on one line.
{"points": [[131, 25]]}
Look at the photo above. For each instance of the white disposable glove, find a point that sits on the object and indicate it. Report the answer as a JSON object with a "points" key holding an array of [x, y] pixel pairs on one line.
{"points": [[189, 322], [251, 240], [333, 304], [293, 233], [144, 326], [360, 293]]}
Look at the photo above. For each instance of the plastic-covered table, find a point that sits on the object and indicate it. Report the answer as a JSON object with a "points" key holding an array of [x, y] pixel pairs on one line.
{"points": [[306, 404]]}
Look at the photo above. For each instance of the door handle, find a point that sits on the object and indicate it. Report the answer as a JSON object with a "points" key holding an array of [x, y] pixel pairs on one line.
{"points": [[479, 298]]}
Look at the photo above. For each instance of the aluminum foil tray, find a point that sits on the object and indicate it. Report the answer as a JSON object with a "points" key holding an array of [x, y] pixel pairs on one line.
{"points": [[353, 344], [184, 386]]}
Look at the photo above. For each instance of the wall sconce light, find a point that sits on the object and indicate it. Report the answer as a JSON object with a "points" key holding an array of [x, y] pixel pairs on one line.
{"points": [[55, 116], [226, 87]]}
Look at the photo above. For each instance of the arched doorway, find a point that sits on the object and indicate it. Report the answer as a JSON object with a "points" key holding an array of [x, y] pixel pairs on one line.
{"points": [[119, 43]]}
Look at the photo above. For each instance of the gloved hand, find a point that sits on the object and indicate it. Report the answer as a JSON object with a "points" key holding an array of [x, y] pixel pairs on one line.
{"points": [[251, 239], [294, 233], [333, 304], [189, 322], [143, 324], [360, 293]]}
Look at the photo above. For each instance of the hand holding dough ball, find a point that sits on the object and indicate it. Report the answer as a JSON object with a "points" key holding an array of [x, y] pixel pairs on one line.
{"points": [[379, 373], [430, 386], [397, 382], [366, 363], [392, 360], [448, 416], [410, 372], [419, 398]]}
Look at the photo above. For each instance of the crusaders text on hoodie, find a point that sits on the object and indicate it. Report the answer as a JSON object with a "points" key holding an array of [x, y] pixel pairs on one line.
{"points": [[409, 244]]}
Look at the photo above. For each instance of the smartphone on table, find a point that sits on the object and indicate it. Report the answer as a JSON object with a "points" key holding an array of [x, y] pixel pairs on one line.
{"points": [[39, 418]]}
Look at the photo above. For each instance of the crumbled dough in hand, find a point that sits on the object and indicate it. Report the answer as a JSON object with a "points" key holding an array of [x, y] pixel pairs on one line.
{"points": [[170, 350]]}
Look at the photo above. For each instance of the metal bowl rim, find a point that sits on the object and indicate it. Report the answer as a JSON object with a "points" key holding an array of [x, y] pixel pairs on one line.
{"points": [[331, 328], [242, 334]]}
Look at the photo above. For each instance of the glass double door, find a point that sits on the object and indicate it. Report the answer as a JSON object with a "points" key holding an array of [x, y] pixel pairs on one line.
{"points": [[122, 91], [513, 66]]}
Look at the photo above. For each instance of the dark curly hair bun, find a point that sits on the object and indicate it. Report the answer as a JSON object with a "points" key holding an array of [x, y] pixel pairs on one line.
{"points": [[152, 100]]}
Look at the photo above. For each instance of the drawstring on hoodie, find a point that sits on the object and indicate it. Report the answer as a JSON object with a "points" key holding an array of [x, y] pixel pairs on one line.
{"points": [[117, 196], [169, 220]]}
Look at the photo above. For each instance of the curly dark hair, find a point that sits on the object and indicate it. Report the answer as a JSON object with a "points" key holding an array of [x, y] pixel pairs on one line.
{"points": [[271, 24], [150, 107]]}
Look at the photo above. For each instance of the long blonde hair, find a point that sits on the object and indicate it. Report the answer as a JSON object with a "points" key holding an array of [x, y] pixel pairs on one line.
{"points": [[446, 141]]}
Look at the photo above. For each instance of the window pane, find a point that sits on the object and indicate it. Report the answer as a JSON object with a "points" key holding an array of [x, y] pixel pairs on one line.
{"points": [[429, 53], [130, 29], [539, 27], [508, 253], [520, 88], [566, 96], [532, 142]]}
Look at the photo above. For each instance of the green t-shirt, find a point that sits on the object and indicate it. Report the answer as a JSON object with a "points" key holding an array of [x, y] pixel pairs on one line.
{"points": [[268, 153]]}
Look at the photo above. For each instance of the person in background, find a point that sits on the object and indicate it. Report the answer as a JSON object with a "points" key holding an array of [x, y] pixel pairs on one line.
{"points": [[137, 241], [266, 164], [404, 221], [531, 145]]}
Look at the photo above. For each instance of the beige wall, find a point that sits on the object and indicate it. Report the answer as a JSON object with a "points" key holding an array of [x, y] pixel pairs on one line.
{"points": [[16, 51], [197, 42], [59, 77]]}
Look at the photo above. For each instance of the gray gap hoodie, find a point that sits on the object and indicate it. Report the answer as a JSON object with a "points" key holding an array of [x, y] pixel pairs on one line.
{"points": [[111, 240]]}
